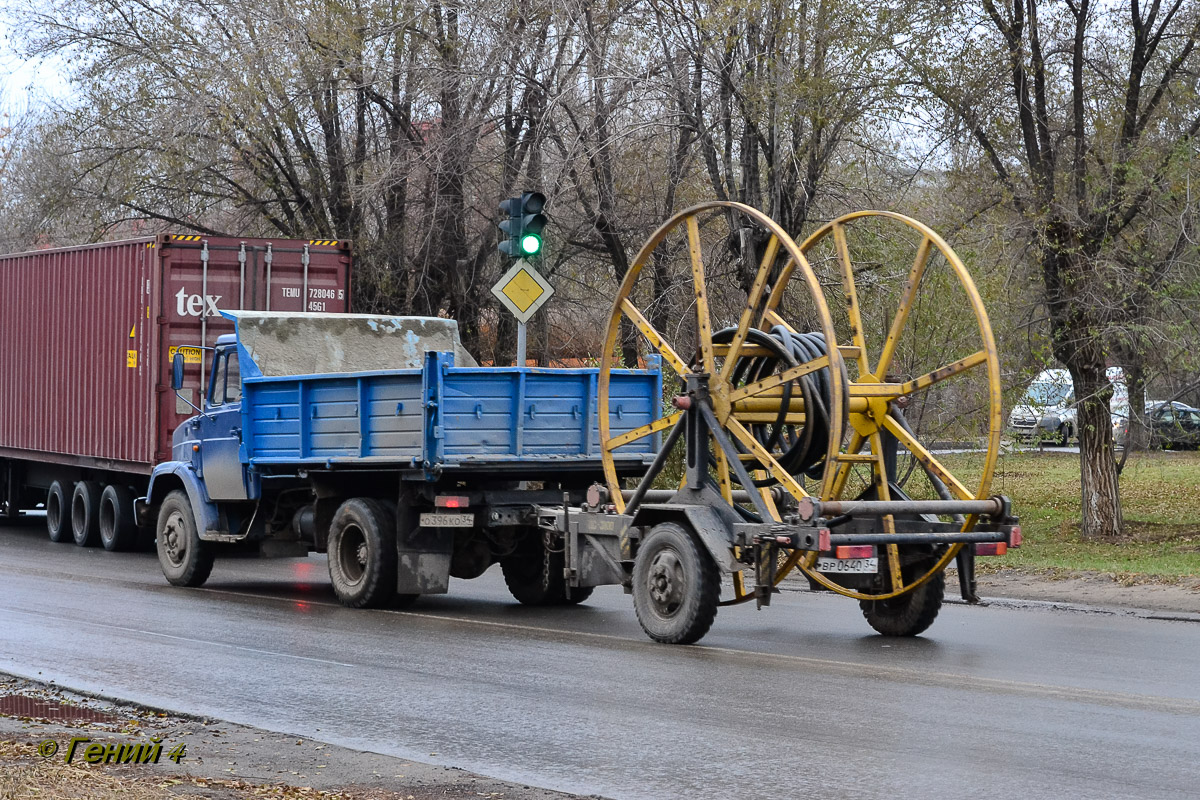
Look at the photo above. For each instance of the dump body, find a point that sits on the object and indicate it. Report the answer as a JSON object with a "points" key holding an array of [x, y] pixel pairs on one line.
{"points": [[430, 412], [443, 417], [90, 332]]}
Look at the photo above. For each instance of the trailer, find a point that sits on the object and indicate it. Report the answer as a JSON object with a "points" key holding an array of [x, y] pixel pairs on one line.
{"points": [[700, 477], [90, 333]]}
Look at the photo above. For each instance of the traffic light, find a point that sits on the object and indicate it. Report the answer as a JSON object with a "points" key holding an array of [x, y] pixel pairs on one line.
{"points": [[523, 225]]}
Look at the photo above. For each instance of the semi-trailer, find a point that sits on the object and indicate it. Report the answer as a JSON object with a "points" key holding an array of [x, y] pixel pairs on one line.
{"points": [[86, 404]]}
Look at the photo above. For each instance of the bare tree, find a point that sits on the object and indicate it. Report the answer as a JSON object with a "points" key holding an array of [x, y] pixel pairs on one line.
{"points": [[1083, 113]]}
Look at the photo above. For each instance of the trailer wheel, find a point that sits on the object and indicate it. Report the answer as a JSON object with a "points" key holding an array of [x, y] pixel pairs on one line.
{"points": [[85, 514], [910, 613], [185, 559], [58, 513], [675, 586], [362, 553], [117, 528]]}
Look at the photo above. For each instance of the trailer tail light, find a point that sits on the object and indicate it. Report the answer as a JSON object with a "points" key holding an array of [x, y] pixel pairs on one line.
{"points": [[1014, 536], [854, 551], [451, 501], [823, 540], [990, 548]]}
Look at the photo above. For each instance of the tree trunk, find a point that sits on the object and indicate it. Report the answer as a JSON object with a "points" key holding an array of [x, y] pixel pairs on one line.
{"points": [[1101, 515]]}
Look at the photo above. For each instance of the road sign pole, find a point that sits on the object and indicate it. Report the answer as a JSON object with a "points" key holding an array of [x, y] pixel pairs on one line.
{"points": [[520, 344]]}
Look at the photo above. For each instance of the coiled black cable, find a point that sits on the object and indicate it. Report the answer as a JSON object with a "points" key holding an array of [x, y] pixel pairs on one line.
{"points": [[800, 450]]}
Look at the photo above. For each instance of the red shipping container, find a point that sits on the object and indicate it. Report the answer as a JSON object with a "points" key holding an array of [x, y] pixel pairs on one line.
{"points": [[89, 333]]}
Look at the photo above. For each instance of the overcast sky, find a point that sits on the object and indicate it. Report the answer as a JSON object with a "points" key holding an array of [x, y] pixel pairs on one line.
{"points": [[26, 81]]}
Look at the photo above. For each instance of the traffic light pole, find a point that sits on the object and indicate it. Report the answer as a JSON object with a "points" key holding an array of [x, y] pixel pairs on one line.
{"points": [[522, 223]]}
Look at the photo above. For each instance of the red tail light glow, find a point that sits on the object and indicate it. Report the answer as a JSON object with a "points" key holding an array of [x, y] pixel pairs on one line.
{"points": [[855, 551]]}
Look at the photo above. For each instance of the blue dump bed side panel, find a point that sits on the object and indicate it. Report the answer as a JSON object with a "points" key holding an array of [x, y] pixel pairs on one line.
{"points": [[454, 417]]}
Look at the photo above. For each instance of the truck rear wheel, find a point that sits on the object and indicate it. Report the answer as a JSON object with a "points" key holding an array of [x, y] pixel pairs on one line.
{"points": [[909, 614], [85, 514], [362, 553], [58, 513], [118, 531], [185, 559], [525, 575], [675, 586]]}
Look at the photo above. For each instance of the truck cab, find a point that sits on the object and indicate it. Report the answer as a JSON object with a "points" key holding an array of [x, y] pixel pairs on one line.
{"points": [[211, 440]]}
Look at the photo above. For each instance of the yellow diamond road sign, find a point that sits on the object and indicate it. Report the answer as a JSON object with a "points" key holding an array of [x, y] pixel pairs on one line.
{"points": [[522, 290]]}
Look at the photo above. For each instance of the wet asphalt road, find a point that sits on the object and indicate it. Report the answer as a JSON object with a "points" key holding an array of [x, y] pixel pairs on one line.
{"points": [[799, 700]]}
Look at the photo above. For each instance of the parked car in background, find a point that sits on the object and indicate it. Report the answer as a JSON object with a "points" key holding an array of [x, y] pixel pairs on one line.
{"points": [[1174, 425], [1047, 409], [1171, 424]]}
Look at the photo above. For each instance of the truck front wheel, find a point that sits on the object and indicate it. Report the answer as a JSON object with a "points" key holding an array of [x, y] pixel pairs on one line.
{"points": [[185, 560], [362, 553]]}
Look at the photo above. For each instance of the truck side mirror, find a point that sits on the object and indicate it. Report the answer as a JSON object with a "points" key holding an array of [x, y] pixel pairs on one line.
{"points": [[177, 371]]}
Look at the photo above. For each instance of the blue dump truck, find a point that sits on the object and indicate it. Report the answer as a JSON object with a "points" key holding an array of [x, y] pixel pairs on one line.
{"points": [[379, 441]]}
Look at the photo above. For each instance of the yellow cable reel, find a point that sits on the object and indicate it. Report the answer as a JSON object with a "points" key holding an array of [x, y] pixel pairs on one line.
{"points": [[725, 268]]}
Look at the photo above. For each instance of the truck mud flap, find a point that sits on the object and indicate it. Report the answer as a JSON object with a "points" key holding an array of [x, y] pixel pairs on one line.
{"points": [[423, 563]]}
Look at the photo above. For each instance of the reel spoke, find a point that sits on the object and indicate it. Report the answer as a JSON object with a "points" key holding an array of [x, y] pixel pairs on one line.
{"points": [[643, 431], [746, 438], [652, 336], [700, 291], [925, 457], [906, 303], [775, 381], [856, 325], [756, 290], [942, 373]]}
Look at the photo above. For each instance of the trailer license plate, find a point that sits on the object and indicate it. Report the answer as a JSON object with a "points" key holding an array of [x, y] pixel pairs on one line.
{"points": [[848, 565], [436, 520]]}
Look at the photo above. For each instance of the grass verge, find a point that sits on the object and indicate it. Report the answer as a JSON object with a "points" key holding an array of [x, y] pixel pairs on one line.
{"points": [[1158, 495]]}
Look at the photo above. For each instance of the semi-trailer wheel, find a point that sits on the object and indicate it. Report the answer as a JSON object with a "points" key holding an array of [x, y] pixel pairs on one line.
{"points": [[58, 513], [85, 514], [185, 559], [676, 586], [362, 553], [118, 530], [910, 613]]}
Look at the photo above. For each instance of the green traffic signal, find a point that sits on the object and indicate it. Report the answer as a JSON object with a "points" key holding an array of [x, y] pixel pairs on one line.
{"points": [[522, 225], [530, 244]]}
